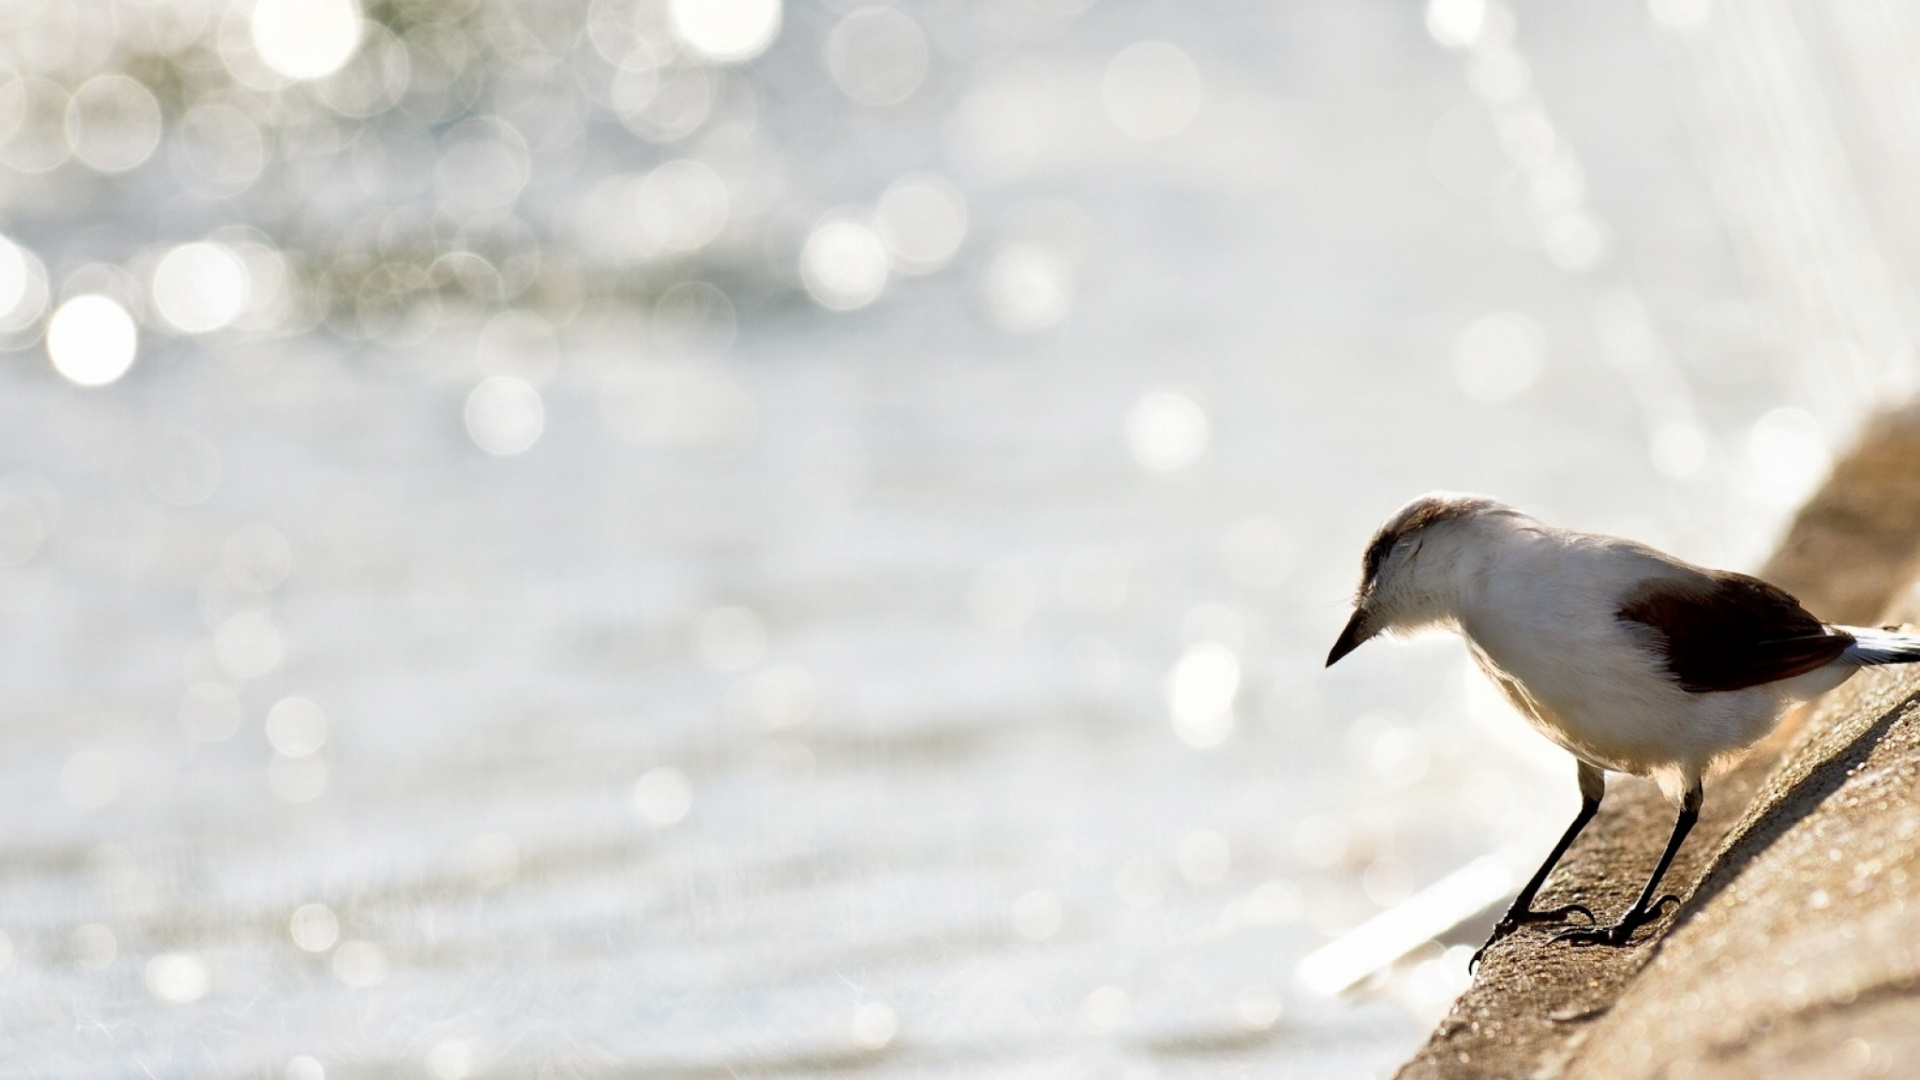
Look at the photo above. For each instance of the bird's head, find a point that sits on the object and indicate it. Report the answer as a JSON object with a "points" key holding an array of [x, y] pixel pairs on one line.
{"points": [[1409, 574]]}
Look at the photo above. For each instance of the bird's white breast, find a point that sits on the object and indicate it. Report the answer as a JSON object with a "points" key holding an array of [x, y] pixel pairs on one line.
{"points": [[1542, 623]]}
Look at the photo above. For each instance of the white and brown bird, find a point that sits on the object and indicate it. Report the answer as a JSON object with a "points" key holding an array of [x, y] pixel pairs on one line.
{"points": [[1630, 659]]}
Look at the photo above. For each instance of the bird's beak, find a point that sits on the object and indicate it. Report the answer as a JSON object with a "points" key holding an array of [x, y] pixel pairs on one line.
{"points": [[1350, 638]]}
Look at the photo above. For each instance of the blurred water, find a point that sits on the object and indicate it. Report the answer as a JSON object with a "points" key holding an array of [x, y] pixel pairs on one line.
{"points": [[832, 578]]}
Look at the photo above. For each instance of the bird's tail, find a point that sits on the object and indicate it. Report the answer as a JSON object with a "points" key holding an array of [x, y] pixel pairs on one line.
{"points": [[1881, 647]]}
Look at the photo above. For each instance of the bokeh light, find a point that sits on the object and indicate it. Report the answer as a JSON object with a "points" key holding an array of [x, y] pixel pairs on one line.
{"points": [[662, 796], [178, 978], [1152, 90], [92, 340], [1499, 356], [844, 265], [1399, 756], [22, 286], [505, 415], [730, 638], [695, 319], [922, 219], [1788, 454], [218, 151], [22, 529], [1575, 241], [113, 123], [1456, 23], [1200, 692], [90, 779], [95, 946], [200, 287], [37, 109], [248, 645], [360, 964], [682, 205], [1203, 857], [725, 31], [1167, 431], [1106, 1008], [314, 927], [1027, 287], [877, 55], [1680, 449], [661, 104], [1680, 14], [306, 39], [374, 80], [484, 163], [1320, 840], [997, 131], [296, 727], [874, 1025], [450, 1059], [782, 696]]}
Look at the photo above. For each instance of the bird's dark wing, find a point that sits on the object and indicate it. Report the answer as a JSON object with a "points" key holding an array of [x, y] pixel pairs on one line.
{"points": [[1717, 630]]}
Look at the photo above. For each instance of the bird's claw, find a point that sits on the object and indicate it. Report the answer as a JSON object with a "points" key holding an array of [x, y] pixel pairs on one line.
{"points": [[1515, 920], [1570, 909], [1620, 933]]}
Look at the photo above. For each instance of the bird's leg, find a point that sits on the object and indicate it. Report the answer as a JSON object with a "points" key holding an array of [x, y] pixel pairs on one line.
{"points": [[1592, 788], [1645, 909]]}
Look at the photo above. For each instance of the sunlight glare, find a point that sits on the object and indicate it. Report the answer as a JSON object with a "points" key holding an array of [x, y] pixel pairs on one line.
{"points": [[200, 287], [844, 266], [725, 31], [1167, 431], [1200, 690], [178, 978], [505, 416], [92, 340], [306, 39]]}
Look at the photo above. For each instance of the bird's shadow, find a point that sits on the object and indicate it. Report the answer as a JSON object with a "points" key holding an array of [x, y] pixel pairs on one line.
{"points": [[1791, 807]]}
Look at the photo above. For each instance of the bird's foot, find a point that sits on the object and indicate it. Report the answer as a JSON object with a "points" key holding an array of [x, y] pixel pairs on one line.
{"points": [[1620, 933], [1514, 920]]}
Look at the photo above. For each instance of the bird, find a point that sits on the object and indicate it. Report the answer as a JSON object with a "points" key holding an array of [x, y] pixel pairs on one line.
{"points": [[1630, 659]]}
